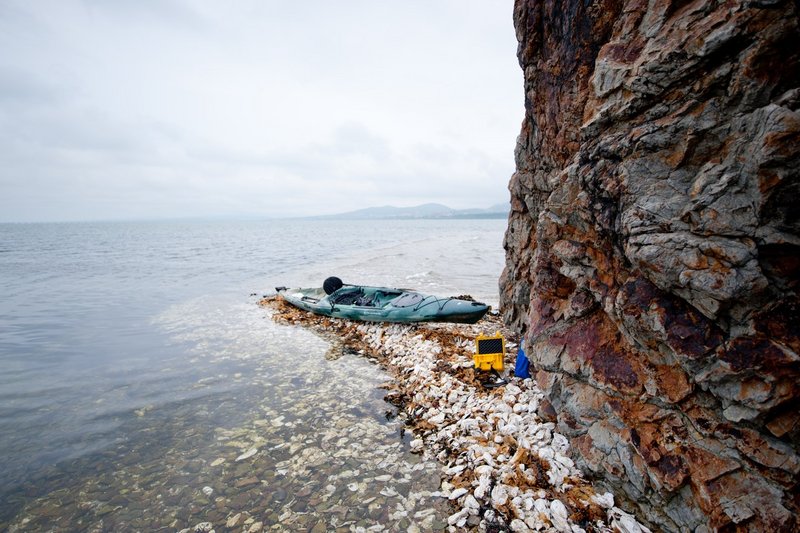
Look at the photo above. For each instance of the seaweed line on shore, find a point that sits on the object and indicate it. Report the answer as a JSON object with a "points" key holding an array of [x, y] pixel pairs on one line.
{"points": [[503, 467]]}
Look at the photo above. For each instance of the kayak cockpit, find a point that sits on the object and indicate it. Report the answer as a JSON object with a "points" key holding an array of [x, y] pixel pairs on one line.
{"points": [[364, 296]]}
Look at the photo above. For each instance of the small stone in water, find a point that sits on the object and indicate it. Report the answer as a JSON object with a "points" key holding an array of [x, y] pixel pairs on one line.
{"points": [[208, 491], [252, 480], [248, 454], [234, 520]]}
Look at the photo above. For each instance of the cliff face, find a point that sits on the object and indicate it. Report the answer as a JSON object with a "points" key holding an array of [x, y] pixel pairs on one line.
{"points": [[653, 249]]}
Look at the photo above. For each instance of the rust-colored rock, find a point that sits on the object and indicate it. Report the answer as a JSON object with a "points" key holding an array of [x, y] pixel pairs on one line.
{"points": [[653, 249]]}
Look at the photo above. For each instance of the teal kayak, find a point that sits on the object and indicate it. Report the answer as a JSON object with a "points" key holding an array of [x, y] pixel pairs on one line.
{"points": [[382, 304]]}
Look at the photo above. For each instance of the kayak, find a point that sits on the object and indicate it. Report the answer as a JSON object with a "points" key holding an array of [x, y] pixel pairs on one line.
{"points": [[382, 304]]}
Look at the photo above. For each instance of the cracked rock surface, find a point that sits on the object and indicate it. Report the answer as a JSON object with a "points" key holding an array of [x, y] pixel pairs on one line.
{"points": [[653, 250]]}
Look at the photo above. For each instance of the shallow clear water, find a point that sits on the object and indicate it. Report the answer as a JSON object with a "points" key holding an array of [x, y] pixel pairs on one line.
{"points": [[134, 358]]}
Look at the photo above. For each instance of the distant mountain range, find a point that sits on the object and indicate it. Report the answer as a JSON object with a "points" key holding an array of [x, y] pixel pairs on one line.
{"points": [[420, 211]]}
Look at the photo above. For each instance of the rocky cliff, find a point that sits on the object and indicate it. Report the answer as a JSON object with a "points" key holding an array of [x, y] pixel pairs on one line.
{"points": [[653, 249]]}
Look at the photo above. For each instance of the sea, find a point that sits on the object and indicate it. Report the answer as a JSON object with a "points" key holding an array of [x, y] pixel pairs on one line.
{"points": [[142, 387]]}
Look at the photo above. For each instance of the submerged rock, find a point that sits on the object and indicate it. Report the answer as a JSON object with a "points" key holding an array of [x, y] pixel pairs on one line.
{"points": [[203, 527], [247, 455]]}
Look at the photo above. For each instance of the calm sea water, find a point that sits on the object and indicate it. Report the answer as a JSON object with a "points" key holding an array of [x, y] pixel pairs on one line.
{"points": [[133, 357]]}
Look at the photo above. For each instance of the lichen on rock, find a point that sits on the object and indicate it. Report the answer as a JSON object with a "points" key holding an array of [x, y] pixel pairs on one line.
{"points": [[653, 249]]}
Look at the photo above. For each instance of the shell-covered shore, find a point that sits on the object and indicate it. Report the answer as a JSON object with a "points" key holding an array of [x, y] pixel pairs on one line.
{"points": [[503, 467]]}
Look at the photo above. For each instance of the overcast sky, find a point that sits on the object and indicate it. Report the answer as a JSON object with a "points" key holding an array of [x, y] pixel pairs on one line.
{"points": [[132, 109]]}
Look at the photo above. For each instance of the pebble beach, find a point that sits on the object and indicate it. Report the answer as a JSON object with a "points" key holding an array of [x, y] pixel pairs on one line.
{"points": [[500, 466]]}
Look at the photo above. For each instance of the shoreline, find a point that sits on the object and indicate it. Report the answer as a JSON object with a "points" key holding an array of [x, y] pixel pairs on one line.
{"points": [[503, 466]]}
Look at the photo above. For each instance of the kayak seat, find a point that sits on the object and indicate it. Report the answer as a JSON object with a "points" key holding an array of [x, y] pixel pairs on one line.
{"points": [[366, 301], [347, 296]]}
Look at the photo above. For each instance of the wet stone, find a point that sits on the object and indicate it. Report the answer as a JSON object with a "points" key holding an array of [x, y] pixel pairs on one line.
{"points": [[246, 482], [300, 506], [118, 500], [240, 501], [438, 525]]}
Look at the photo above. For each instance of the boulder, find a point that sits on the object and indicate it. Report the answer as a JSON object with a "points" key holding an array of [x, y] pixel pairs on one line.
{"points": [[653, 249]]}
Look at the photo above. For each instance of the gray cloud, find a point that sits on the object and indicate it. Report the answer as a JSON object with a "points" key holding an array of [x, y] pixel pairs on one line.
{"points": [[141, 109]]}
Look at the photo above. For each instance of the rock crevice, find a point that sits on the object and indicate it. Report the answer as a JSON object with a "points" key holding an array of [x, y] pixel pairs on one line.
{"points": [[653, 249]]}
